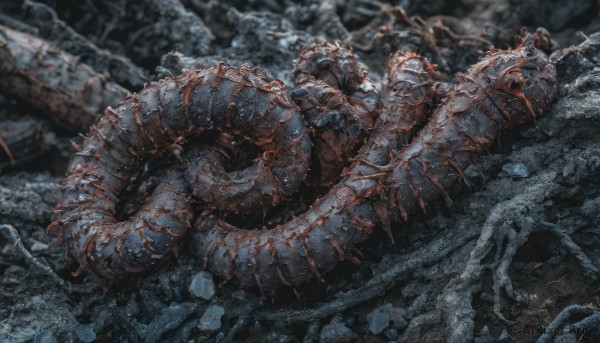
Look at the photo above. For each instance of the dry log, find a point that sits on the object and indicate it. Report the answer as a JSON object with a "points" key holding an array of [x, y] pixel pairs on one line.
{"points": [[52, 81]]}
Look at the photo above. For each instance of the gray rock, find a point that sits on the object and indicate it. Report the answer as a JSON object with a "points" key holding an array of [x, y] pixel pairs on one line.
{"points": [[336, 333], [170, 318], [38, 246], [397, 316], [211, 319], [85, 332], [377, 321], [517, 170], [202, 285]]}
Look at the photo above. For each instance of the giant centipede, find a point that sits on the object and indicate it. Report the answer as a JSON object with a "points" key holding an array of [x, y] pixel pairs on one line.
{"points": [[388, 178]]}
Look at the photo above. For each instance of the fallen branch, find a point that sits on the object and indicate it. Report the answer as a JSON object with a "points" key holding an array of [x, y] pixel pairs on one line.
{"points": [[53, 81], [57, 32]]}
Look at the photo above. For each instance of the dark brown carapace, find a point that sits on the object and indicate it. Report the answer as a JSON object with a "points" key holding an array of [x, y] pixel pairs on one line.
{"points": [[160, 118], [338, 101], [387, 179]]}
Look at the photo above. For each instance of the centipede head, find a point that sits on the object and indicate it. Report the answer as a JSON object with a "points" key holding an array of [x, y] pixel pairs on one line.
{"points": [[521, 82]]}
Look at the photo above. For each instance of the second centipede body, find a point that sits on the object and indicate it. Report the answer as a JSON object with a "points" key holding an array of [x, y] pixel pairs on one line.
{"points": [[386, 179], [314, 242]]}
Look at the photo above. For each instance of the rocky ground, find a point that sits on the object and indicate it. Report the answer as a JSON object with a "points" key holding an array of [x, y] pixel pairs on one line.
{"points": [[516, 258]]}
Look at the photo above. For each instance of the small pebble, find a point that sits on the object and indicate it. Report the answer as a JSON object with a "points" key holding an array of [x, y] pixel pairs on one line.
{"points": [[336, 333], [377, 321], [391, 333], [517, 170], [397, 316], [170, 318], [202, 285], [211, 319], [472, 172], [43, 336], [36, 302], [85, 332], [38, 246]]}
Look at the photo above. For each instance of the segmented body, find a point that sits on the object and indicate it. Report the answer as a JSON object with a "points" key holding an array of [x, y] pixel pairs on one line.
{"points": [[386, 178], [159, 119], [314, 242], [338, 101]]}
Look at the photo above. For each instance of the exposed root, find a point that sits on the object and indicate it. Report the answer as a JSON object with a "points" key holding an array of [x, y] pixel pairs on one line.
{"points": [[501, 279], [404, 266], [592, 320], [455, 300], [14, 237], [590, 271]]}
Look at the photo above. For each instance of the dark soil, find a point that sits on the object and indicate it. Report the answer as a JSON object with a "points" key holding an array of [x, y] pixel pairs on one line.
{"points": [[500, 264]]}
